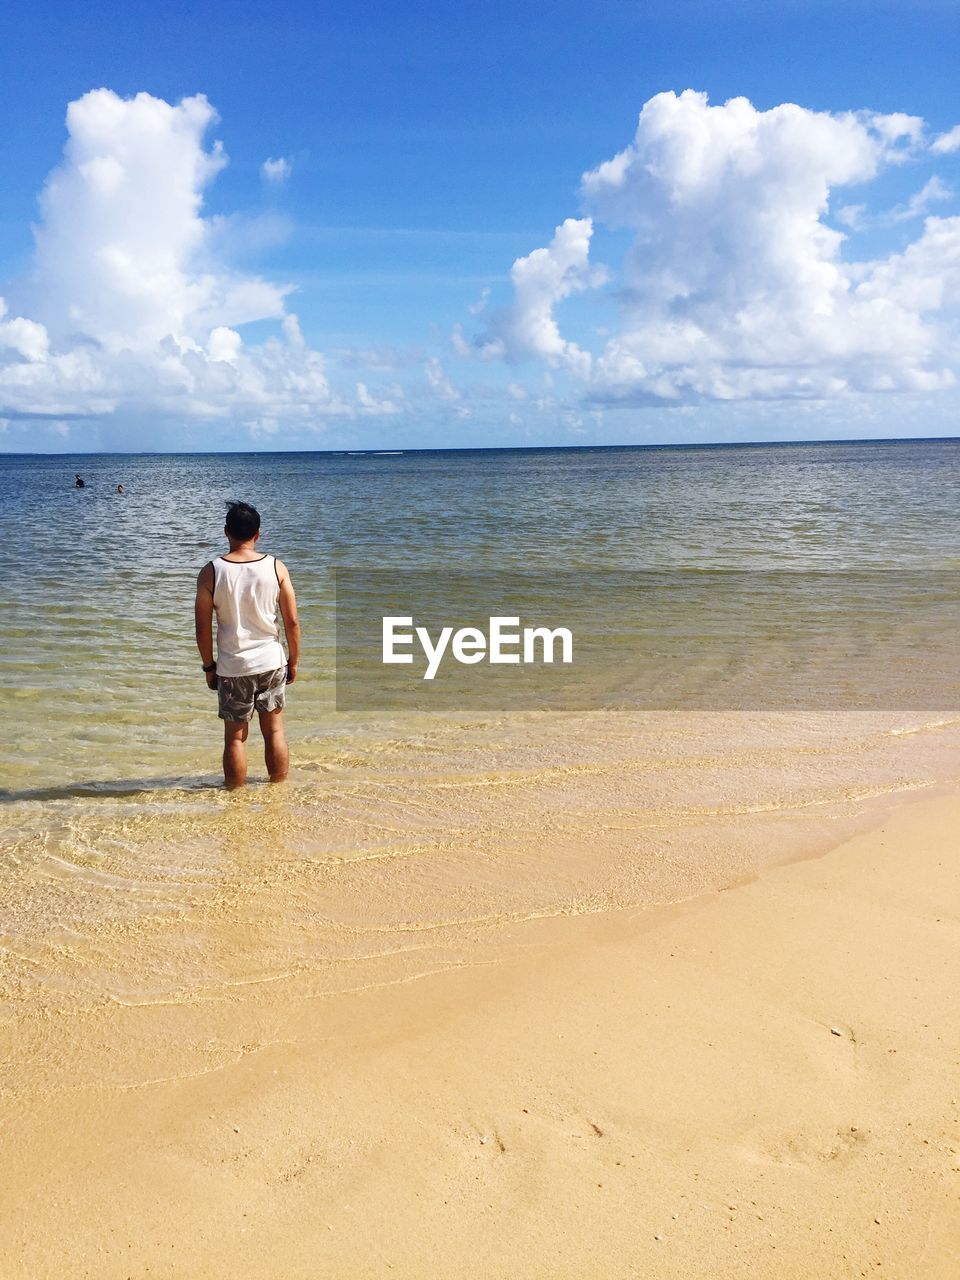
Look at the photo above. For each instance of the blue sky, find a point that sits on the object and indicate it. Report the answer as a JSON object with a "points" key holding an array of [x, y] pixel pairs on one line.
{"points": [[429, 147]]}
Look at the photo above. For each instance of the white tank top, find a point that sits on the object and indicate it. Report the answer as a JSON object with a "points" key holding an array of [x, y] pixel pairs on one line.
{"points": [[246, 595]]}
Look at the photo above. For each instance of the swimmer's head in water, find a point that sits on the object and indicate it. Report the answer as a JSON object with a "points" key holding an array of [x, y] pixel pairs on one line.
{"points": [[243, 521]]}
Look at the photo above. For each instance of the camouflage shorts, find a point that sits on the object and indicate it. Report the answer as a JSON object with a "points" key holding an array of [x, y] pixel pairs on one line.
{"points": [[240, 696]]}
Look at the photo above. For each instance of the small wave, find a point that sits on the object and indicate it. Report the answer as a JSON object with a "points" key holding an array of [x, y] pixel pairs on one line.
{"points": [[925, 727], [106, 789]]}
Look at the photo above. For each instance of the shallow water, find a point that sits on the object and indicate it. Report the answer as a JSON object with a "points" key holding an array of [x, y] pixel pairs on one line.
{"points": [[402, 836]]}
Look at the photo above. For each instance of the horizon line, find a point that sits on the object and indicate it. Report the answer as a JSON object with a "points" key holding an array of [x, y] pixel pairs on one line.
{"points": [[541, 448]]}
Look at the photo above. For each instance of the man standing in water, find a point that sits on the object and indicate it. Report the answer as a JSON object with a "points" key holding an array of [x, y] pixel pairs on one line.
{"points": [[246, 589]]}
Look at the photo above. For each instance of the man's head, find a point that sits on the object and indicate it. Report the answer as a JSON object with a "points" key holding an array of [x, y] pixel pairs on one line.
{"points": [[243, 522]]}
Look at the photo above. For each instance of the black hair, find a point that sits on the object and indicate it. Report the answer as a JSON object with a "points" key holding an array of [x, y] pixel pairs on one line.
{"points": [[243, 521]]}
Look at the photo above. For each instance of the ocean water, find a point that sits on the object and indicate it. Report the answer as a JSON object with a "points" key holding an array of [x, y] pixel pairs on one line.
{"points": [[405, 835]]}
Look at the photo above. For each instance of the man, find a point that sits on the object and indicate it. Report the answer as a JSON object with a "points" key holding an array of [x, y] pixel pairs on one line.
{"points": [[245, 589]]}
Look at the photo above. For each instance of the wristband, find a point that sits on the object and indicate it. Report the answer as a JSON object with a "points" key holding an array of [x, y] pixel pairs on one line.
{"points": [[212, 667]]}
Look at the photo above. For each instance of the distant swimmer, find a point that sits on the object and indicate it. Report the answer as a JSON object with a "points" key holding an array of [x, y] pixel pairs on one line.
{"points": [[78, 483], [249, 593], [119, 488]]}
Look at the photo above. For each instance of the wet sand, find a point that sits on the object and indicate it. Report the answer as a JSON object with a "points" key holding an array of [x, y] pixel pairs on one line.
{"points": [[757, 1082]]}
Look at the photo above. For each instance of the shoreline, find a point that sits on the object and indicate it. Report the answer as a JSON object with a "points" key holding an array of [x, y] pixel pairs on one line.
{"points": [[592, 1102]]}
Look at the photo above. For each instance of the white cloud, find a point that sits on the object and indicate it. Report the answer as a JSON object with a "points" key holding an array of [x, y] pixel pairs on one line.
{"points": [[541, 280], [853, 216], [734, 285], [25, 337], [439, 383], [932, 192], [947, 142], [276, 172], [381, 359], [369, 404], [893, 128], [922, 280], [128, 308], [224, 345]]}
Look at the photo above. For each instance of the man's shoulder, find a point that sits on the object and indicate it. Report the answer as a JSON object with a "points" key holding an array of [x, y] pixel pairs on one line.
{"points": [[205, 576]]}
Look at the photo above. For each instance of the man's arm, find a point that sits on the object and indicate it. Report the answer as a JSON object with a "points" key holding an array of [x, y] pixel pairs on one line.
{"points": [[291, 623], [203, 616]]}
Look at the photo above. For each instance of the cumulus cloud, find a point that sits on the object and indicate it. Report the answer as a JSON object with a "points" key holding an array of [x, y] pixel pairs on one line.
{"points": [[24, 337], [127, 307], [735, 285], [894, 128], [276, 172], [370, 404], [947, 142], [540, 281]]}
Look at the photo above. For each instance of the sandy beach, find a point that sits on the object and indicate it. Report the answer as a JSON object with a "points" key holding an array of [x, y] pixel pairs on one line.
{"points": [[480, 502], [757, 1082]]}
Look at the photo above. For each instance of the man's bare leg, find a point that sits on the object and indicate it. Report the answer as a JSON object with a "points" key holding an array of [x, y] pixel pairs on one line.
{"points": [[235, 753], [275, 752]]}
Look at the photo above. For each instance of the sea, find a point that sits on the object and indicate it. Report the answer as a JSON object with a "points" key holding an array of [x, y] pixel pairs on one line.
{"points": [[411, 831]]}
